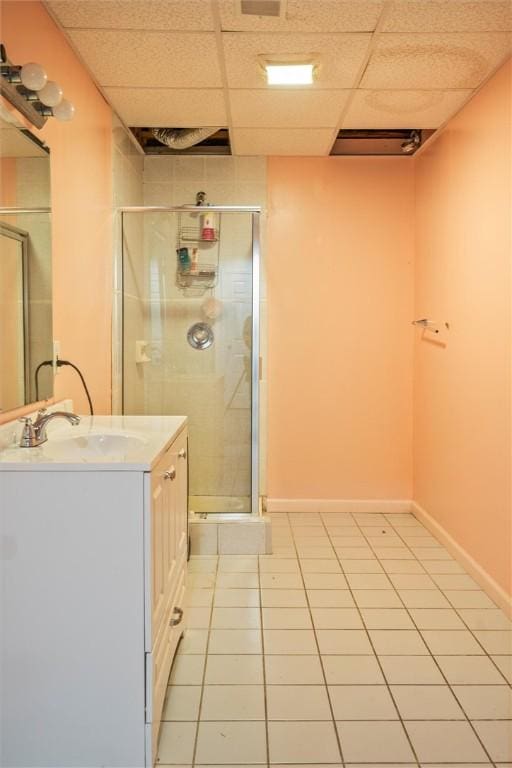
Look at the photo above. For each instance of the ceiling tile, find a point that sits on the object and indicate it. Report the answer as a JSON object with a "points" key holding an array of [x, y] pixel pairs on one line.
{"points": [[403, 109], [281, 141], [133, 14], [153, 59], [448, 16], [173, 107], [435, 61], [340, 56], [285, 108], [306, 16]]}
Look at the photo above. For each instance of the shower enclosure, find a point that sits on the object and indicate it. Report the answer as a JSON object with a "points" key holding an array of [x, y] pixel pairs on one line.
{"points": [[188, 296]]}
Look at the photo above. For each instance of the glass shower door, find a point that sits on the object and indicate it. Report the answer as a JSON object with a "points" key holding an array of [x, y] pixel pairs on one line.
{"points": [[187, 341]]}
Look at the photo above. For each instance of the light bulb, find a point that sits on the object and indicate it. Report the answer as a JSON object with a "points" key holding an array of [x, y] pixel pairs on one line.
{"points": [[64, 111], [51, 94], [33, 76]]}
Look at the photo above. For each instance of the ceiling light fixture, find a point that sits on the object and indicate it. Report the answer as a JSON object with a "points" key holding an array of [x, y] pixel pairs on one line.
{"points": [[289, 74]]}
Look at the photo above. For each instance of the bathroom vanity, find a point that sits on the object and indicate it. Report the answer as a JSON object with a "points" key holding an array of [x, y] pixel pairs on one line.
{"points": [[93, 555]]}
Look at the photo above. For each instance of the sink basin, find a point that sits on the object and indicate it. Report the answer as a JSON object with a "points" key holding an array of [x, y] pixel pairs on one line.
{"points": [[95, 446]]}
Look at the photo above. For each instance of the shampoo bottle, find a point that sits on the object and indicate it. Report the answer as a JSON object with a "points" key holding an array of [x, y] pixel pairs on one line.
{"points": [[208, 227], [194, 259]]}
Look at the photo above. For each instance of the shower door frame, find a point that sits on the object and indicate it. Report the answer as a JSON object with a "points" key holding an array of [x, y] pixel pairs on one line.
{"points": [[118, 323]]}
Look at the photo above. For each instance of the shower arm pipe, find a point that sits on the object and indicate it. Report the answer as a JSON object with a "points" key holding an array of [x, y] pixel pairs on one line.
{"points": [[190, 208]]}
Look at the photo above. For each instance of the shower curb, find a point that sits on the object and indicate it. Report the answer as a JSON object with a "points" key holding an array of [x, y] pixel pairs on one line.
{"points": [[230, 534]]}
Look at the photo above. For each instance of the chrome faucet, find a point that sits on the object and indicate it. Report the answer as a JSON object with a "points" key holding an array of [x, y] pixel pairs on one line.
{"points": [[34, 434]]}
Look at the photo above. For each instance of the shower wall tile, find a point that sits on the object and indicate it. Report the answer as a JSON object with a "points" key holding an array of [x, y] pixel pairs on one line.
{"points": [[159, 169], [133, 372], [251, 169], [184, 192], [132, 245], [158, 193], [222, 192], [220, 169], [189, 168]]}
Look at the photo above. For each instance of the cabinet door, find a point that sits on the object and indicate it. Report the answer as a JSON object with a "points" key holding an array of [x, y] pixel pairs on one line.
{"points": [[163, 539], [181, 447]]}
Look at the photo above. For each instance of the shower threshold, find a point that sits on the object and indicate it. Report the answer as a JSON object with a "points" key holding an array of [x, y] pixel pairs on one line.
{"points": [[214, 505], [229, 533]]}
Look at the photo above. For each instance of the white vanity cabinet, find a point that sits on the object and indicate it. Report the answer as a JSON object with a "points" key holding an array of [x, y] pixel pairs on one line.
{"points": [[93, 562]]}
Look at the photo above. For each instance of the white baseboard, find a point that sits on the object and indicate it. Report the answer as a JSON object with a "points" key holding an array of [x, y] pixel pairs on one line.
{"points": [[339, 505], [488, 584]]}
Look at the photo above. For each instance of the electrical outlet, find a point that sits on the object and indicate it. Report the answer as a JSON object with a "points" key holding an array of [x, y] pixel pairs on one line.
{"points": [[56, 355]]}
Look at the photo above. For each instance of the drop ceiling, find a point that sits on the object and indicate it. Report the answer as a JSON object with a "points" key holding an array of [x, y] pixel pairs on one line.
{"points": [[382, 64]]}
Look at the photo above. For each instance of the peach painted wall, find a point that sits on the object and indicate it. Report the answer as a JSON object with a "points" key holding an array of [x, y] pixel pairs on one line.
{"points": [[340, 297], [81, 203], [8, 182], [462, 415]]}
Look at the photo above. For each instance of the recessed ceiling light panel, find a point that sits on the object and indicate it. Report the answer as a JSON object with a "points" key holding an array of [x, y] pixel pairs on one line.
{"points": [[289, 74]]}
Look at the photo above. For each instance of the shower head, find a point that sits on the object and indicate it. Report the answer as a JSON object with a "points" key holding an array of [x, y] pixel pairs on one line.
{"points": [[411, 144]]}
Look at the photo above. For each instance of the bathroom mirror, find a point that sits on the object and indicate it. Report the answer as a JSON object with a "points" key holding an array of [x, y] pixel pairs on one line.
{"points": [[25, 268]]}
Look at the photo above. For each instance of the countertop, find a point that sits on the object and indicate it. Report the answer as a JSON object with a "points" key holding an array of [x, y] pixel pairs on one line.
{"points": [[62, 452]]}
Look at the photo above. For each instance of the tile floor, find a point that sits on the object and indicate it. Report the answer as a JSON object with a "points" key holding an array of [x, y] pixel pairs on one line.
{"points": [[359, 642]]}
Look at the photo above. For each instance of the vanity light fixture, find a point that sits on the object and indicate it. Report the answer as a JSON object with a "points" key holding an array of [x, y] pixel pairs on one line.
{"points": [[28, 89]]}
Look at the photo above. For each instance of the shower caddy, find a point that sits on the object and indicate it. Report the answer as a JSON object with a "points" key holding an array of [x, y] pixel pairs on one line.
{"points": [[190, 233]]}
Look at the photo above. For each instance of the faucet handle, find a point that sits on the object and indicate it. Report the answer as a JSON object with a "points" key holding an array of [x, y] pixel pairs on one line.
{"points": [[28, 434], [42, 412]]}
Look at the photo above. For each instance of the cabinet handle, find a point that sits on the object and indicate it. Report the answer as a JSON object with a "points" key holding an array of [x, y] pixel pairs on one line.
{"points": [[182, 454], [178, 620], [170, 474]]}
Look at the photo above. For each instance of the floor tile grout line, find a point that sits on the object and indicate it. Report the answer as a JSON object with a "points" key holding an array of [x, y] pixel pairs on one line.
{"points": [[416, 760], [476, 639], [441, 672], [264, 672], [336, 733], [458, 612], [194, 753], [437, 588]]}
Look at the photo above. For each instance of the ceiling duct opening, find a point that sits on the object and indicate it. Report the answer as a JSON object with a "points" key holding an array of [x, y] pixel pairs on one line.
{"points": [[403, 142], [183, 141], [182, 138], [260, 7]]}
